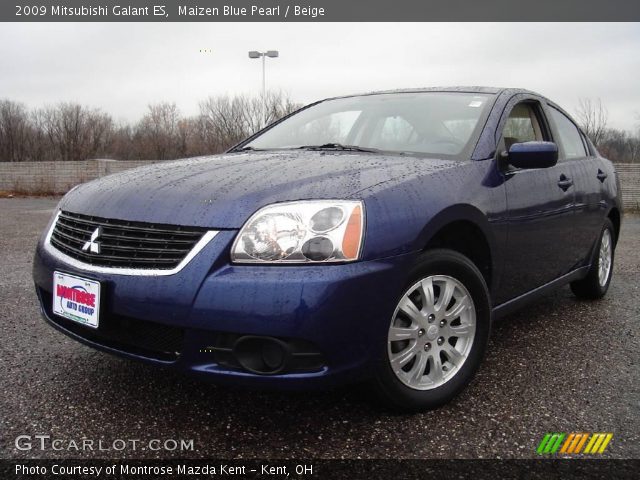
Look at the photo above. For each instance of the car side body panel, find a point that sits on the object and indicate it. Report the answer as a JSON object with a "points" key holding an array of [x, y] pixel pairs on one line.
{"points": [[471, 192]]}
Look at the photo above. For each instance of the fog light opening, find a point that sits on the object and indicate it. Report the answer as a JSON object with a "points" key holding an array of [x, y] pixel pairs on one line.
{"points": [[273, 355], [262, 355]]}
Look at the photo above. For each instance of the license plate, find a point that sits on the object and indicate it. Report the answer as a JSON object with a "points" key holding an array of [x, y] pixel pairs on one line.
{"points": [[76, 298]]}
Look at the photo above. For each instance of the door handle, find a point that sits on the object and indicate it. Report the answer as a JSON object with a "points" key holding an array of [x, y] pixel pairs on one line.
{"points": [[601, 176], [565, 182]]}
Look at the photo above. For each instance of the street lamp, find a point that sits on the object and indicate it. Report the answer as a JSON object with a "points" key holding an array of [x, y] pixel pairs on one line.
{"points": [[268, 53]]}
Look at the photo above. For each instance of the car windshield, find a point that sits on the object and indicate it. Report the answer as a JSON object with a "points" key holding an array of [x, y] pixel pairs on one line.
{"points": [[432, 123]]}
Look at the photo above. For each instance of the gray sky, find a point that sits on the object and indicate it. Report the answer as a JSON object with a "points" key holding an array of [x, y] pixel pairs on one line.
{"points": [[122, 67]]}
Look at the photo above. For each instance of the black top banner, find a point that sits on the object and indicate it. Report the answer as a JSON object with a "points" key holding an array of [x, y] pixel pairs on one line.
{"points": [[319, 10]]}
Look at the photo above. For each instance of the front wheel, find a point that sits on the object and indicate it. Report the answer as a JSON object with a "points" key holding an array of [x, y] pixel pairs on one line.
{"points": [[437, 334], [597, 281]]}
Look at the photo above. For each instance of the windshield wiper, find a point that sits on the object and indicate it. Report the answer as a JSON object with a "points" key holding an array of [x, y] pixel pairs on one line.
{"points": [[337, 146], [246, 149]]}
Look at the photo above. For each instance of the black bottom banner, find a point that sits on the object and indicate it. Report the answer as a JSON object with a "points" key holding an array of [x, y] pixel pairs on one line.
{"points": [[318, 469]]}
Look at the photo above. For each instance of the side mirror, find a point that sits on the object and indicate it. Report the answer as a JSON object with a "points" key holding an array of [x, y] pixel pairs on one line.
{"points": [[533, 154]]}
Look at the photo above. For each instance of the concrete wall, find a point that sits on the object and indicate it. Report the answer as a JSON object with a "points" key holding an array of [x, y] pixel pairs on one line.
{"points": [[629, 174], [59, 177]]}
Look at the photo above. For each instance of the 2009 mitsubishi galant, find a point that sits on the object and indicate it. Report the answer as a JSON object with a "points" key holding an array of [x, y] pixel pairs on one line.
{"points": [[364, 237]]}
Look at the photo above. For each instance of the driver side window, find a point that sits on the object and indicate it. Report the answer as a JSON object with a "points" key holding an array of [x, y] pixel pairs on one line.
{"points": [[521, 126]]}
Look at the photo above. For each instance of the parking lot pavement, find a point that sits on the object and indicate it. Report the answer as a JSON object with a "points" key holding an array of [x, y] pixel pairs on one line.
{"points": [[561, 365]]}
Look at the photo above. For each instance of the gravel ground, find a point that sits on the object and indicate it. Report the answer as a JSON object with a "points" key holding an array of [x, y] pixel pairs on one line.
{"points": [[561, 365]]}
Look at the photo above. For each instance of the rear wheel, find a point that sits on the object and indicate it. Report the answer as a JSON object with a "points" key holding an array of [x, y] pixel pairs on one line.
{"points": [[597, 281], [437, 334]]}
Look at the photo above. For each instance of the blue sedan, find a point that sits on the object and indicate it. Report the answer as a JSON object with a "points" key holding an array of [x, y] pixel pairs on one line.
{"points": [[370, 237]]}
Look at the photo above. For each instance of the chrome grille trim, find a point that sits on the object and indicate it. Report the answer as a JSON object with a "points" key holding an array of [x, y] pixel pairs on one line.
{"points": [[80, 265]]}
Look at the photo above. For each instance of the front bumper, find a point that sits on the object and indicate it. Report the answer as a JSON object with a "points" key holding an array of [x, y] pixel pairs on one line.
{"points": [[340, 311]]}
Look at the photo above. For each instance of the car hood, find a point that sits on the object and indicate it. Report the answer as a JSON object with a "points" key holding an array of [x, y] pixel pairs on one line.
{"points": [[222, 191]]}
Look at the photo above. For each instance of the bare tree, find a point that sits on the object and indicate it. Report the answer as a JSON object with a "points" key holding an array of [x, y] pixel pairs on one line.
{"points": [[74, 132], [593, 118], [122, 144], [634, 149], [620, 146], [262, 111], [225, 121], [38, 144], [69, 131], [15, 132], [157, 134]]}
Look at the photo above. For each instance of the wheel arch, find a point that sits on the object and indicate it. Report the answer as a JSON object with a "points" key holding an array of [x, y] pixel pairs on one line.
{"points": [[466, 230], [614, 216]]}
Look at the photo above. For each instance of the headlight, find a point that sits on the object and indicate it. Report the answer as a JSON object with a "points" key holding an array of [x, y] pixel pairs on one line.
{"points": [[302, 232]]}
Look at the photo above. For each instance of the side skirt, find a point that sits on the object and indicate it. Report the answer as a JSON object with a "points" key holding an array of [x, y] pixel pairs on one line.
{"points": [[518, 302]]}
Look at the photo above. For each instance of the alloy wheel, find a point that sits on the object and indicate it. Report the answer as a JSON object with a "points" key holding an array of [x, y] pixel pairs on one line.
{"points": [[431, 332], [605, 258]]}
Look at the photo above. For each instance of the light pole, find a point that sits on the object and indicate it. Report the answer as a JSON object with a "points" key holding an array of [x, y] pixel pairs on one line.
{"points": [[264, 55]]}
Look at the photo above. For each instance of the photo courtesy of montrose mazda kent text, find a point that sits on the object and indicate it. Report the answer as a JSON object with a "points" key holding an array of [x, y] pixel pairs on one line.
{"points": [[368, 238]]}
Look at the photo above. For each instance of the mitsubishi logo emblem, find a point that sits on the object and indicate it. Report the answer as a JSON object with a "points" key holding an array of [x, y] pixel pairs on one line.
{"points": [[92, 245]]}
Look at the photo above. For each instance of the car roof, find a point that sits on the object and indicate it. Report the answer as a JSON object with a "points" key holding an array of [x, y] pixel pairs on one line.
{"points": [[467, 89]]}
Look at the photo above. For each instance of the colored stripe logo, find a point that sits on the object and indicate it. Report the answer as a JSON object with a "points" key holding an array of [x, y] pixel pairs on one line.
{"points": [[574, 443]]}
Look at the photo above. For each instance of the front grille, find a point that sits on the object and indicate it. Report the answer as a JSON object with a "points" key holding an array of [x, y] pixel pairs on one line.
{"points": [[123, 244]]}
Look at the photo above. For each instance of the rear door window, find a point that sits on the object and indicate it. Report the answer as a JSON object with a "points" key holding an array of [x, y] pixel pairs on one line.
{"points": [[570, 138]]}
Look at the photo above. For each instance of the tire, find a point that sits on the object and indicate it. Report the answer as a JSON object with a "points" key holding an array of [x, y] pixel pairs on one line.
{"points": [[596, 283], [415, 384]]}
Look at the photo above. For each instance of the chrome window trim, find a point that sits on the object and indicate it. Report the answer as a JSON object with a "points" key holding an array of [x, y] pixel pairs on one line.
{"points": [[149, 272]]}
